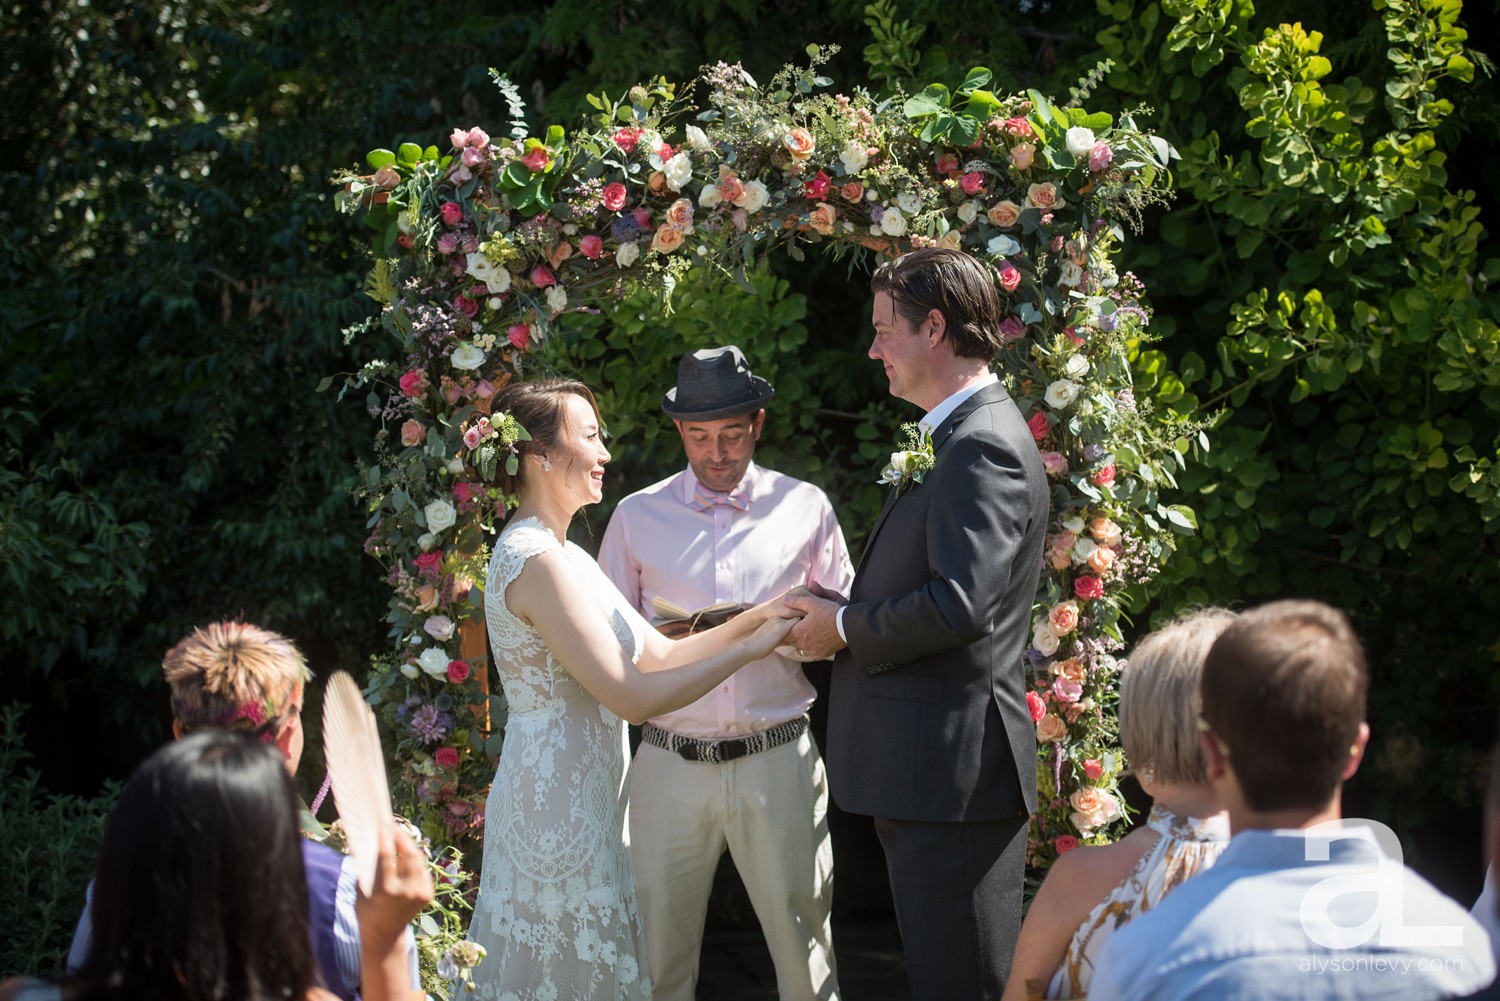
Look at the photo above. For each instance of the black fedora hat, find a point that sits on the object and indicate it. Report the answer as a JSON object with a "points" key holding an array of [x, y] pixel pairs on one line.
{"points": [[714, 384]]}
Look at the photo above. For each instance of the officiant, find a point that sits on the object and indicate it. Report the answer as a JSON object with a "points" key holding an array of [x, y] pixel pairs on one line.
{"points": [[737, 770]]}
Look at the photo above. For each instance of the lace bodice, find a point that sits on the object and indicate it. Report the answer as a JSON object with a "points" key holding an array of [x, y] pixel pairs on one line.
{"points": [[1185, 846], [556, 909]]}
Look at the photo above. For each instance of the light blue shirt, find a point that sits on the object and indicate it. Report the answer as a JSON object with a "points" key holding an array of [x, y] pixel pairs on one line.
{"points": [[1289, 914]]}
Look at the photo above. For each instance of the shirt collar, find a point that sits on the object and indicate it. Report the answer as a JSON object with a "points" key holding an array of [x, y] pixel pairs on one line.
{"points": [[746, 485], [944, 410]]}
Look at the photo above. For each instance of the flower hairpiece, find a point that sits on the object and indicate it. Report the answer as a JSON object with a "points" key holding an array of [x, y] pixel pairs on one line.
{"points": [[909, 465], [489, 437]]}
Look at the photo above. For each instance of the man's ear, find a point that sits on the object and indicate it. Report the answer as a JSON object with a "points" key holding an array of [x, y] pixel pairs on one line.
{"points": [[1357, 751], [937, 325], [1215, 761], [177, 729], [757, 423]]}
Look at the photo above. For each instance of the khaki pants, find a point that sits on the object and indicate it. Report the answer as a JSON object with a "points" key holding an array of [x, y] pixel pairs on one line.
{"points": [[771, 811]]}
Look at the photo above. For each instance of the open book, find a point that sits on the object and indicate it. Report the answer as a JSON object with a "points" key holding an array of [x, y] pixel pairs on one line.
{"points": [[674, 621]]}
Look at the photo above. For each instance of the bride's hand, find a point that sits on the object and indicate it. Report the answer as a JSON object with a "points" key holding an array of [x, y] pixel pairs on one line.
{"points": [[772, 633], [775, 608]]}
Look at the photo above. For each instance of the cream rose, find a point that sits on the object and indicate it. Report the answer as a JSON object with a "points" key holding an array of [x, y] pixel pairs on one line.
{"points": [[1003, 246], [1044, 196], [909, 202], [1050, 729], [696, 137], [1080, 141], [434, 661], [557, 299], [495, 277], [1004, 214], [678, 171], [710, 197], [893, 223], [754, 198], [1046, 642], [466, 356], [666, 240], [854, 158], [627, 254], [1076, 367], [1061, 394], [440, 515], [968, 212]]}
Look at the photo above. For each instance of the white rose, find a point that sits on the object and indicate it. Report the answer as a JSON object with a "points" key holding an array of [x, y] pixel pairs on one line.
{"points": [[455, 465], [696, 137], [1003, 246], [1079, 141], [434, 661], [481, 268], [898, 462], [854, 158], [426, 541], [710, 196], [1083, 549], [1070, 275], [1077, 367], [1061, 393], [627, 255], [968, 212], [495, 302], [557, 299], [440, 515], [466, 356], [679, 171], [909, 202], [893, 223], [439, 627], [755, 196], [1046, 642], [1074, 524], [410, 671]]}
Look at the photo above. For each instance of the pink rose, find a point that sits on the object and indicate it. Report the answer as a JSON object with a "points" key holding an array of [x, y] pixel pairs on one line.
{"points": [[1064, 843], [472, 157], [472, 438], [413, 433], [1038, 425], [666, 240], [1092, 769], [816, 187], [1004, 214], [1050, 729], [542, 276], [1055, 463], [1012, 329], [386, 178], [538, 160], [591, 247], [799, 144], [463, 491], [1067, 690], [1043, 196], [466, 306], [1064, 617], [414, 383], [483, 389], [1035, 706], [680, 214], [1019, 126], [731, 188], [520, 336], [405, 240], [946, 163], [1010, 276], [1100, 156], [446, 757], [459, 138], [852, 192], [478, 137], [458, 670], [642, 217], [626, 139], [1088, 587], [613, 196], [1064, 540], [972, 182], [453, 213], [1104, 476], [822, 217], [447, 243], [1022, 155], [428, 562], [1087, 799]]}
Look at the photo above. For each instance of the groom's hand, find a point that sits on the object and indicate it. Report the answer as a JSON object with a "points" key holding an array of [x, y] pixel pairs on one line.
{"points": [[816, 637]]}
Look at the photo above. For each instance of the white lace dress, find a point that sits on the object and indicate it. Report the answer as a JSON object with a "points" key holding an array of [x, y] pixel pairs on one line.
{"points": [[556, 911]]}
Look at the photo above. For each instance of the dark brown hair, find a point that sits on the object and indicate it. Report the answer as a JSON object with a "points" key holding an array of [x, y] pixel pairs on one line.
{"points": [[540, 405], [954, 284], [1284, 692]]}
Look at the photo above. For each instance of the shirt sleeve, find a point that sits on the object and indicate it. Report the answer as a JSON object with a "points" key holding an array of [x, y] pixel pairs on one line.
{"points": [[831, 565], [617, 561], [346, 933], [83, 935]]}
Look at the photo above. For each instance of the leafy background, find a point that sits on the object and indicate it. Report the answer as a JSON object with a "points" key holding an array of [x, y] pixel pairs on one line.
{"points": [[174, 283]]}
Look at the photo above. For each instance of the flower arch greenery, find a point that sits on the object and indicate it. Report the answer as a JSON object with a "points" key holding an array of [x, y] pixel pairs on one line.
{"points": [[484, 245]]}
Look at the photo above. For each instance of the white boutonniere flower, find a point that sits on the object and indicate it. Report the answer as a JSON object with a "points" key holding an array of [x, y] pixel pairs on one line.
{"points": [[909, 465]]}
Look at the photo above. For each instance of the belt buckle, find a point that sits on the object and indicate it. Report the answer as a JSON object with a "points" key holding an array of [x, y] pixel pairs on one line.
{"points": [[728, 750]]}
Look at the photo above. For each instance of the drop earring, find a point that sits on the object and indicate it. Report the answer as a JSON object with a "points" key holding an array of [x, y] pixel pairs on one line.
{"points": [[546, 464]]}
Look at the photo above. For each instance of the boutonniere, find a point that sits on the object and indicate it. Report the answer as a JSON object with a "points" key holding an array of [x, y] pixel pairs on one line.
{"points": [[909, 465]]}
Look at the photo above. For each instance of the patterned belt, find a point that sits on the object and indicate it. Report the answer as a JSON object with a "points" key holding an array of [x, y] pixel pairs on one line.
{"points": [[715, 751]]}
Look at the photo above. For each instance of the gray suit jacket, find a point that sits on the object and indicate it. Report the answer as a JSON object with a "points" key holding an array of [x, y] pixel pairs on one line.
{"points": [[927, 716]]}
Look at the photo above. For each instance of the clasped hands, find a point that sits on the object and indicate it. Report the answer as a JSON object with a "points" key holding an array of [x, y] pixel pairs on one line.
{"points": [[800, 624]]}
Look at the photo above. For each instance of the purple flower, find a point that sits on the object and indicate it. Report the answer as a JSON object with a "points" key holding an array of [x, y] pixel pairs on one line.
{"points": [[429, 724], [624, 229], [1093, 452]]}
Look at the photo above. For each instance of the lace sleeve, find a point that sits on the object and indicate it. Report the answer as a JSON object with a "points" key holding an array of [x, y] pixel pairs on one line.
{"points": [[515, 546]]}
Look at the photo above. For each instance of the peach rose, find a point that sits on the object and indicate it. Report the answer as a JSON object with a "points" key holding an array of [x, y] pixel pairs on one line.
{"points": [[1043, 196], [799, 144], [657, 182], [1104, 531], [412, 433], [680, 214], [822, 217], [731, 188], [427, 598], [1100, 560], [666, 240], [1087, 800], [1060, 559], [1064, 617], [1051, 729], [1072, 669], [1022, 155], [1004, 214], [852, 192]]}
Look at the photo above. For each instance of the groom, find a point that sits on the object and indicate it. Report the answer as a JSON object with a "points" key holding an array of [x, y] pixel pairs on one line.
{"points": [[928, 730]]}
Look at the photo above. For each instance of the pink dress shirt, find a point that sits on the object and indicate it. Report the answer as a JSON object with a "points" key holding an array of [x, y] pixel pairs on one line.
{"points": [[658, 544]]}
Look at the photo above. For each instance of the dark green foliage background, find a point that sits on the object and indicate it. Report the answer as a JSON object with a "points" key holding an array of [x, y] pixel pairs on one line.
{"points": [[174, 281]]}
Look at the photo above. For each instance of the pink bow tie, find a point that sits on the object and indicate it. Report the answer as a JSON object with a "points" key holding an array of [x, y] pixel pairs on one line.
{"points": [[704, 498]]}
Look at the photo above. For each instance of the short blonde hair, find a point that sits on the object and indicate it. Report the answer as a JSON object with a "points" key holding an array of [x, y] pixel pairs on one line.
{"points": [[1160, 698], [232, 675]]}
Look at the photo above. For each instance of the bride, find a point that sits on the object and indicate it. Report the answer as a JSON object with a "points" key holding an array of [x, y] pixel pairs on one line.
{"points": [[556, 911]]}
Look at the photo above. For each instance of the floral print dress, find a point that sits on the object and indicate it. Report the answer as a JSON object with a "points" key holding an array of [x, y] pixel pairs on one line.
{"points": [[556, 911]]}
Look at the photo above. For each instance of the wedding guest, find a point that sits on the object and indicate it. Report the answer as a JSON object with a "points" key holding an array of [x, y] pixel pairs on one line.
{"points": [[1300, 905], [928, 731], [200, 892], [736, 769], [557, 912], [237, 676], [1092, 892]]}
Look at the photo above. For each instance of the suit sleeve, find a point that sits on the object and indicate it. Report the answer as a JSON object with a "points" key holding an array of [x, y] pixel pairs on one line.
{"points": [[976, 521], [617, 561]]}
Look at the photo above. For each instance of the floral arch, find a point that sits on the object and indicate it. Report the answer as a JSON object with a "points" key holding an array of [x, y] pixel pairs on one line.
{"points": [[482, 245]]}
